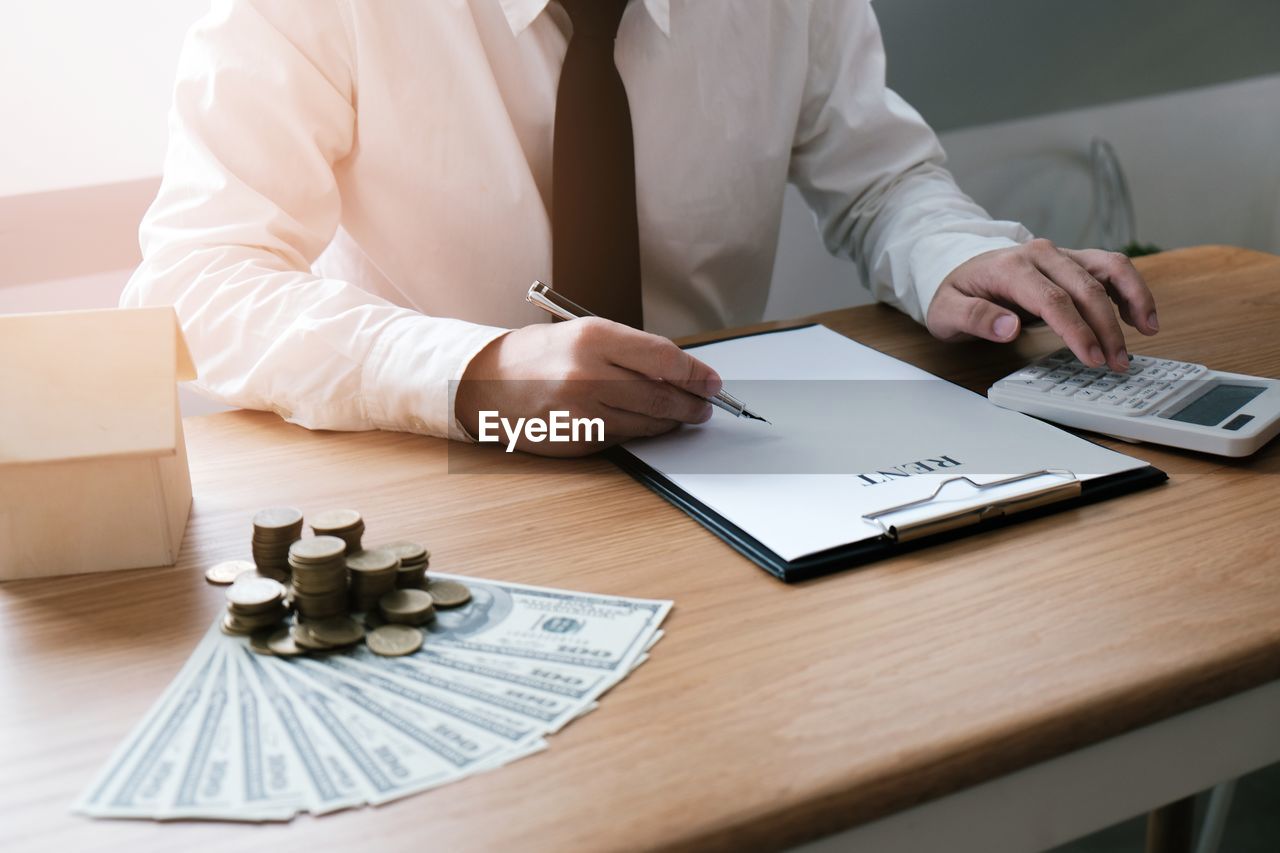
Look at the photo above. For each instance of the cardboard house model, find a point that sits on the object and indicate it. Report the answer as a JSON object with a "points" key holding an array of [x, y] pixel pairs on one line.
{"points": [[93, 465]]}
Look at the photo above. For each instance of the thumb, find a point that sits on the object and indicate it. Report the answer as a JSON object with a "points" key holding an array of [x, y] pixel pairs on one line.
{"points": [[953, 315]]}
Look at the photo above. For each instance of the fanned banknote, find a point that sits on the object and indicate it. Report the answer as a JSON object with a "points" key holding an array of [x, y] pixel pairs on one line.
{"points": [[242, 736]]}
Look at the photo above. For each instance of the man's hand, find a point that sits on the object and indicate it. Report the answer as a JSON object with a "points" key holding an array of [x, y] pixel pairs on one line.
{"points": [[592, 368], [1071, 290]]}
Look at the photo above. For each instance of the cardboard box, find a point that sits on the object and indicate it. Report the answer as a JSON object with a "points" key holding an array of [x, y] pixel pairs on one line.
{"points": [[93, 463]]}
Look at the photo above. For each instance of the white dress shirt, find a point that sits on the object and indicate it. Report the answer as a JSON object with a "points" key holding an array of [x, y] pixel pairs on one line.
{"points": [[356, 194]]}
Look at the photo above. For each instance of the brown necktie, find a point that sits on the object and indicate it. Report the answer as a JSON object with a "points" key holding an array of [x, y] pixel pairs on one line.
{"points": [[595, 244]]}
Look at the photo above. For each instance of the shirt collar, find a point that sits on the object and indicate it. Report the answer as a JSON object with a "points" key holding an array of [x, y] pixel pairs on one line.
{"points": [[521, 13]]}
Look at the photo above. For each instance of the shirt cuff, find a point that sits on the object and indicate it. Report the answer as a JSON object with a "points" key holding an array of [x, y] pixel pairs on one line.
{"points": [[412, 373], [935, 257]]}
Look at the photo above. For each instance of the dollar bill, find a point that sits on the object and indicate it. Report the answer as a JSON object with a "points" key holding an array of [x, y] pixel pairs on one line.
{"points": [[490, 721], [332, 782], [148, 784], [272, 777], [598, 632], [397, 753], [207, 781], [549, 711]]}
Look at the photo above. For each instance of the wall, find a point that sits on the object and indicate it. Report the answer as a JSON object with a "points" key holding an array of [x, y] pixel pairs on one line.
{"points": [[1203, 167], [965, 64], [86, 89]]}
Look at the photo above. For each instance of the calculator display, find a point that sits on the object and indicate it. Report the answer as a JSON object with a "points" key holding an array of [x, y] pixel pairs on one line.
{"points": [[1212, 408]]}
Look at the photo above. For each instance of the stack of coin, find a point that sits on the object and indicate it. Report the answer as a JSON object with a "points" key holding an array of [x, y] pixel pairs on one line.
{"points": [[274, 530], [373, 575], [413, 564], [407, 607], [319, 577], [254, 603], [346, 524]]}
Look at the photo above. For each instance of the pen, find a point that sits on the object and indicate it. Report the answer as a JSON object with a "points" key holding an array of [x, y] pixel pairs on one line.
{"points": [[566, 309]]}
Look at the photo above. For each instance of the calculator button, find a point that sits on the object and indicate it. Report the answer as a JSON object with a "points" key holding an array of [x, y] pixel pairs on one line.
{"points": [[1169, 364], [1136, 406], [1112, 399], [1104, 385], [1058, 376], [1154, 372], [1063, 390], [1174, 375], [1090, 393], [1032, 372], [1128, 389], [1079, 380], [1094, 373], [1141, 361], [1116, 377], [1194, 370], [1031, 384]]}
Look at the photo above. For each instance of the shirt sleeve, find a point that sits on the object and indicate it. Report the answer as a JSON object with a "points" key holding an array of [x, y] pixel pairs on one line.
{"points": [[872, 170], [262, 110]]}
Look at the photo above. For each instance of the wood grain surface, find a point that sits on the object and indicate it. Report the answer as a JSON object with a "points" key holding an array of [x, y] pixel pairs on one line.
{"points": [[770, 714]]}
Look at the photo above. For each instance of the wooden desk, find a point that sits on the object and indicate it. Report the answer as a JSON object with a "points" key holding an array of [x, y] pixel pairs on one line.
{"points": [[770, 714]]}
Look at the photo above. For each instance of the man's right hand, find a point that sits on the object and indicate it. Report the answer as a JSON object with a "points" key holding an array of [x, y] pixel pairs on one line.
{"points": [[592, 368]]}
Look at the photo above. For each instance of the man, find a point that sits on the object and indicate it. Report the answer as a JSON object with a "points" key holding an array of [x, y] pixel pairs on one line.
{"points": [[357, 195]]}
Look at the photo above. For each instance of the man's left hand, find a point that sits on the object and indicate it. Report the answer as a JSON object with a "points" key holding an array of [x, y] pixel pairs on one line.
{"points": [[1076, 292]]}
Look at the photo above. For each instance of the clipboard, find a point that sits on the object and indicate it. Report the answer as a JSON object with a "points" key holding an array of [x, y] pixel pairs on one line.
{"points": [[1061, 491]]}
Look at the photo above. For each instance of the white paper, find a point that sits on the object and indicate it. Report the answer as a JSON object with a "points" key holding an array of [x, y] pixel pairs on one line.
{"points": [[843, 414]]}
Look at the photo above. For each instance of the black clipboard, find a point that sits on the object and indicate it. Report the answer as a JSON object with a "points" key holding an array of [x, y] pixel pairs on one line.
{"points": [[877, 548]]}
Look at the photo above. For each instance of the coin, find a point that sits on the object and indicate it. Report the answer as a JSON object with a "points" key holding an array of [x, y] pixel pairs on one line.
{"points": [[238, 627], [317, 549], [256, 621], [394, 640], [448, 593], [407, 606], [277, 517], [258, 642], [409, 553], [303, 637], [335, 519], [281, 643], [373, 561], [336, 631], [250, 594], [226, 572]]}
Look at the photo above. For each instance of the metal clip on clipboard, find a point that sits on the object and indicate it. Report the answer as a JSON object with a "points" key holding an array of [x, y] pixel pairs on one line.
{"points": [[1066, 488]]}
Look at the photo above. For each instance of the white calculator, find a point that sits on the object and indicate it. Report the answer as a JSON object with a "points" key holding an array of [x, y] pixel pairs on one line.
{"points": [[1157, 400]]}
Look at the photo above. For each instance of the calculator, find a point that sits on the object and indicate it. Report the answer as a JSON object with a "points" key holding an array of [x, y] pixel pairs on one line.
{"points": [[1157, 400]]}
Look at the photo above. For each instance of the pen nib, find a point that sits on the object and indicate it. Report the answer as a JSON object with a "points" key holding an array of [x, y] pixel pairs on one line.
{"points": [[750, 414]]}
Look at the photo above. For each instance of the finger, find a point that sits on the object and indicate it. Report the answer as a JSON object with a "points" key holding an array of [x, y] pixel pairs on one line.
{"points": [[954, 314], [1125, 284], [620, 425], [1091, 300], [658, 358], [1031, 290], [653, 399]]}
